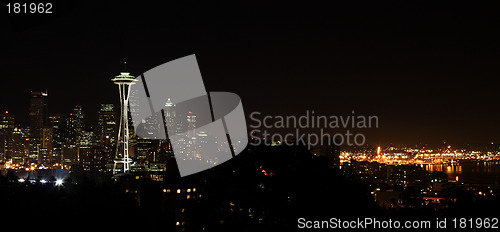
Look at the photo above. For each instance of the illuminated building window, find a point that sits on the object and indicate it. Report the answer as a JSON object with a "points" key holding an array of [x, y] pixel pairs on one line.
{"points": [[188, 190], [188, 196], [177, 223], [194, 189], [168, 190], [178, 190]]}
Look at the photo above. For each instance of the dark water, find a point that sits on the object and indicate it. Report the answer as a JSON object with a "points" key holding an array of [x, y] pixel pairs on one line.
{"points": [[472, 172]]}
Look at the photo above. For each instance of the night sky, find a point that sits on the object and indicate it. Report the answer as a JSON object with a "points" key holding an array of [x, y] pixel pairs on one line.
{"points": [[429, 72]]}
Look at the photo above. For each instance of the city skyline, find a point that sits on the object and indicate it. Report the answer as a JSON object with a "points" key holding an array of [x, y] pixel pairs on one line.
{"points": [[427, 76], [61, 140], [92, 120], [249, 116]]}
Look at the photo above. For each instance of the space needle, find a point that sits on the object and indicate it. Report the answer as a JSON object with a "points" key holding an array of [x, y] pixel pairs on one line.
{"points": [[122, 156]]}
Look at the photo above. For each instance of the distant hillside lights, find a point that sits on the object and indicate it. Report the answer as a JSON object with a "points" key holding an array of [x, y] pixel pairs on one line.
{"points": [[309, 121]]}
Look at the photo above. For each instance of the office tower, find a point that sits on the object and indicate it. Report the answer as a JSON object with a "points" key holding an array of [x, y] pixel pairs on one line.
{"points": [[20, 150], [169, 113], [191, 119], [191, 144], [69, 151], [6, 135], [71, 130], [56, 121], [106, 125], [79, 126], [124, 81], [45, 150], [38, 112], [86, 138]]}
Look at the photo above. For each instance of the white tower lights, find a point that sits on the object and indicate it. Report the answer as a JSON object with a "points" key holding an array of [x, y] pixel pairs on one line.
{"points": [[124, 82]]}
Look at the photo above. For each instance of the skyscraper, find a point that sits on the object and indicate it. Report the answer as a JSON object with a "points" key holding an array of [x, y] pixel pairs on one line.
{"points": [[69, 153], [79, 127], [38, 113], [6, 135], [71, 131], [106, 125], [191, 119], [191, 144], [21, 147], [45, 149], [56, 121], [169, 113]]}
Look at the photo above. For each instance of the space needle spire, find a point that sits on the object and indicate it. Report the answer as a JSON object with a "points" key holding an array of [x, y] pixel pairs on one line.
{"points": [[122, 157]]}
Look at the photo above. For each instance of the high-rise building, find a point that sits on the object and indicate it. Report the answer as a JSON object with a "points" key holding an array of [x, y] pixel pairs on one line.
{"points": [[79, 127], [21, 146], [56, 121], [169, 113], [75, 129], [191, 119], [38, 112], [46, 146], [71, 131], [6, 135], [69, 153], [86, 139], [191, 143], [106, 129]]}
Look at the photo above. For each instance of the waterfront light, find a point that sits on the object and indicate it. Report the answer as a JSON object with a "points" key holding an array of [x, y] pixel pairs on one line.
{"points": [[59, 182]]}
